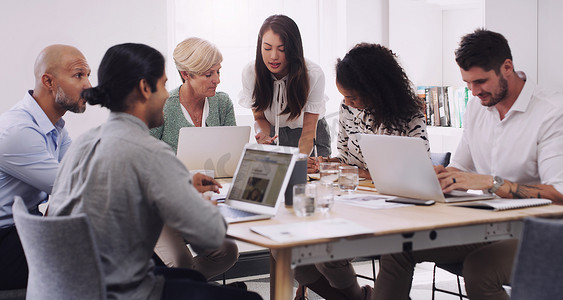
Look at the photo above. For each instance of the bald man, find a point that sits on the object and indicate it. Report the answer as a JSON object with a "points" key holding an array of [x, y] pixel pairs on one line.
{"points": [[33, 141]]}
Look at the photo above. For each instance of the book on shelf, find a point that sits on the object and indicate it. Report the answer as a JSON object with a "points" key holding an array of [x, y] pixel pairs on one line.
{"points": [[504, 204], [444, 106]]}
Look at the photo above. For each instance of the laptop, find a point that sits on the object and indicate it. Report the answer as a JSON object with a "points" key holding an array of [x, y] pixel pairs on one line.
{"points": [[212, 148], [258, 185], [401, 166]]}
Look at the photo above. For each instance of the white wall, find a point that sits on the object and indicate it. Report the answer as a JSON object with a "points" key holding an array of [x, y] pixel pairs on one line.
{"points": [[517, 20], [91, 26], [550, 43]]}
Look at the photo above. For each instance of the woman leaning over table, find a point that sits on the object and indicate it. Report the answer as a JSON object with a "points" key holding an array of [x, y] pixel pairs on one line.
{"points": [[378, 99], [195, 103], [285, 91]]}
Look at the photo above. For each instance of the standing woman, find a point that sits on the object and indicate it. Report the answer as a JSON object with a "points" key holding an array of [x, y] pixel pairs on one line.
{"points": [[285, 91], [195, 102]]}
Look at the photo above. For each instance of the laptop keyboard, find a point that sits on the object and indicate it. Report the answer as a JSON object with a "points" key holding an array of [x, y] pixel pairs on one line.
{"points": [[229, 212]]}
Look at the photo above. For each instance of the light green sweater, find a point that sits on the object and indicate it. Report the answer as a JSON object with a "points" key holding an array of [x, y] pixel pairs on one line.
{"points": [[221, 113]]}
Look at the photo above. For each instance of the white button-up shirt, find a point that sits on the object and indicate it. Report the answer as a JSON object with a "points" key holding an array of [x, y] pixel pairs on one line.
{"points": [[525, 147]]}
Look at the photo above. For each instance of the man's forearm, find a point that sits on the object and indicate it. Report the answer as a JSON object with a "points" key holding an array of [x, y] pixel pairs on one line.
{"points": [[520, 191]]}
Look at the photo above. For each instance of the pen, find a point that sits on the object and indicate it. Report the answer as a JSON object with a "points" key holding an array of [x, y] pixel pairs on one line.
{"points": [[315, 148]]}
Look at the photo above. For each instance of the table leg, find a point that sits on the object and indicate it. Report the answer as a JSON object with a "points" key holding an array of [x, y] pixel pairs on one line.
{"points": [[281, 276]]}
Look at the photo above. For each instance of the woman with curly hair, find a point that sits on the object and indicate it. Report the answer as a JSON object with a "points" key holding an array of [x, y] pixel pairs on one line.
{"points": [[378, 99]]}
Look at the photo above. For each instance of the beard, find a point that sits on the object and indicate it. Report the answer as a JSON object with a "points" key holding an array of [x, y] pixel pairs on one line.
{"points": [[66, 102], [496, 98]]}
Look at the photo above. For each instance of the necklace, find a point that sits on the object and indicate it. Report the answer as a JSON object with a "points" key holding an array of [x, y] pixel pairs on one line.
{"points": [[194, 111]]}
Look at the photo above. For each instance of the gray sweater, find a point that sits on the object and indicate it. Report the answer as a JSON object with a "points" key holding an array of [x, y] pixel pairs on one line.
{"points": [[130, 184]]}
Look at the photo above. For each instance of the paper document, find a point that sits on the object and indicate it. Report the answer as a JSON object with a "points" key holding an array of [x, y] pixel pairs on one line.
{"points": [[300, 231], [369, 201]]}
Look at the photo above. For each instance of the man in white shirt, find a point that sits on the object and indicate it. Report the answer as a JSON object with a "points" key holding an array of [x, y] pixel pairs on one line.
{"points": [[33, 141], [512, 146]]}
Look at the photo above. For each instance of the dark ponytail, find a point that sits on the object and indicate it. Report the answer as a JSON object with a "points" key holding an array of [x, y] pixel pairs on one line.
{"points": [[96, 95], [121, 69]]}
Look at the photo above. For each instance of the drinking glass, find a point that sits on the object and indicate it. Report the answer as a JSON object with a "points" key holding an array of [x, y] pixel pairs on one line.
{"points": [[325, 196], [329, 171], [304, 199], [348, 178]]}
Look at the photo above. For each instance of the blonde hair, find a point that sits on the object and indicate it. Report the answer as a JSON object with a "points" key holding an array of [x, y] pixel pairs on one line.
{"points": [[196, 56]]}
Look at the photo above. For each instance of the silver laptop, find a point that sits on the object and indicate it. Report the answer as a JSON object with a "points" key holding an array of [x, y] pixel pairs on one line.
{"points": [[212, 148], [259, 184], [401, 166]]}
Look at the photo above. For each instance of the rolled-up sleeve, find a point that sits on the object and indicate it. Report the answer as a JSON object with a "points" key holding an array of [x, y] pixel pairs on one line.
{"points": [[248, 80], [316, 102], [550, 151]]}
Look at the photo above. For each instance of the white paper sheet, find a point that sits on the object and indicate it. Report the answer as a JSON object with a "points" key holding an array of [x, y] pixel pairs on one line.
{"points": [[300, 231]]}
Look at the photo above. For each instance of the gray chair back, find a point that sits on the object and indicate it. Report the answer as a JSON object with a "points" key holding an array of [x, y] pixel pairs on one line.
{"points": [[539, 261], [61, 254], [442, 158]]}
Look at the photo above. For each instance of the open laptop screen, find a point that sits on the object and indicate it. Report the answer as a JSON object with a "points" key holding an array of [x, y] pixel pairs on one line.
{"points": [[260, 177]]}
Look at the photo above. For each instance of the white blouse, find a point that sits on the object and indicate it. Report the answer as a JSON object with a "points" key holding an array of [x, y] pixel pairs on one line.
{"points": [[315, 103]]}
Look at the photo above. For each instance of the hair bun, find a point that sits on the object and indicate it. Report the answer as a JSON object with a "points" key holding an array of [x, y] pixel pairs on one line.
{"points": [[96, 95]]}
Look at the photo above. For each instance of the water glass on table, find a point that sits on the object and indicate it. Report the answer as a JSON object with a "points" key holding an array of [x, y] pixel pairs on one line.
{"points": [[325, 196], [348, 179], [304, 199], [329, 171]]}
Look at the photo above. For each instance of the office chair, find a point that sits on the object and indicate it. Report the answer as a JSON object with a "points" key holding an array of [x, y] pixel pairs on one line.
{"points": [[61, 254], [538, 261], [441, 158]]}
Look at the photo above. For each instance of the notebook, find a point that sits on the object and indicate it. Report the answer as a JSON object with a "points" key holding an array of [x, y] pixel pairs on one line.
{"points": [[259, 183], [504, 204], [212, 148], [401, 166]]}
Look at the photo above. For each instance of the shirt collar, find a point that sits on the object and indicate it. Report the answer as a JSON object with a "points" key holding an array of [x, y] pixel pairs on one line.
{"points": [[525, 96], [128, 118], [39, 115], [283, 78], [523, 100]]}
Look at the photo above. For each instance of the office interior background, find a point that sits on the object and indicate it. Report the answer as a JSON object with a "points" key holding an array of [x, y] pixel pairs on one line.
{"points": [[423, 33]]}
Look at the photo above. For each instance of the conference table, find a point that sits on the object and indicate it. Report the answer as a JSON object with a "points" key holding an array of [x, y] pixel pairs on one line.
{"points": [[390, 230]]}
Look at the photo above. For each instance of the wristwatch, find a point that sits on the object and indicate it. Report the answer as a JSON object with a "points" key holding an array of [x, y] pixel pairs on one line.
{"points": [[497, 183]]}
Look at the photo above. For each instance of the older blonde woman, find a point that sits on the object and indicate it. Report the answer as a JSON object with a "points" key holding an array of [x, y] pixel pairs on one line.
{"points": [[195, 103]]}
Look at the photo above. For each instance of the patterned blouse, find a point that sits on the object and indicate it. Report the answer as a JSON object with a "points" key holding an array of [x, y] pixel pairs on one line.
{"points": [[352, 121]]}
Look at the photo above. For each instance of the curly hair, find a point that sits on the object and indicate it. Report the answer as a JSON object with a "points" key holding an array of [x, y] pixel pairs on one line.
{"points": [[298, 80], [372, 71]]}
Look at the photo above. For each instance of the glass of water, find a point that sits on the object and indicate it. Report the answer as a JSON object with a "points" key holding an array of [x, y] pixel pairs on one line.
{"points": [[329, 171], [348, 178], [325, 196], [304, 199]]}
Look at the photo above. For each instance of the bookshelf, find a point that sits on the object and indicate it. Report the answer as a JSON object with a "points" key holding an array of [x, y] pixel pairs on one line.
{"points": [[426, 52]]}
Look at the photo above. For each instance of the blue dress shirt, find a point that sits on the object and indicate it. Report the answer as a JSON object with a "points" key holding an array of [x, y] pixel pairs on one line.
{"points": [[31, 148]]}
